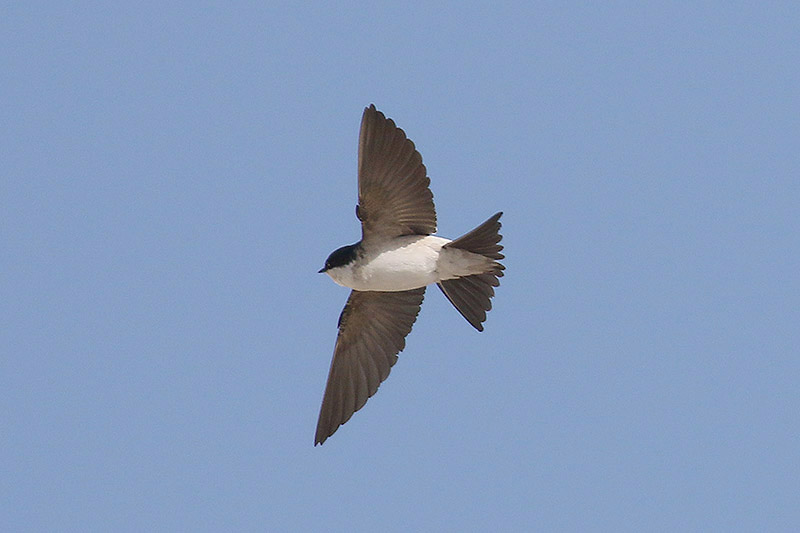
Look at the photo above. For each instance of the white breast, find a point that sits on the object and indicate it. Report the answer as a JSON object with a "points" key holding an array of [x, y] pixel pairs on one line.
{"points": [[401, 264]]}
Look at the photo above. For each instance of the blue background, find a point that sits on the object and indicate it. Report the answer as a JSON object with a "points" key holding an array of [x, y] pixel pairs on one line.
{"points": [[173, 178]]}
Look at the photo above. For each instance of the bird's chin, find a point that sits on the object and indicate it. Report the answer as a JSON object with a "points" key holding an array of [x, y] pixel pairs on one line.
{"points": [[340, 276]]}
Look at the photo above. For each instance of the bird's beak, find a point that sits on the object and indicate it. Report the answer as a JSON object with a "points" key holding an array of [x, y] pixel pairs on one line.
{"points": [[322, 270]]}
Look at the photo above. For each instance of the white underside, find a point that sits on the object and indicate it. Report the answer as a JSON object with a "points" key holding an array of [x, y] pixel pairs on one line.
{"points": [[407, 263]]}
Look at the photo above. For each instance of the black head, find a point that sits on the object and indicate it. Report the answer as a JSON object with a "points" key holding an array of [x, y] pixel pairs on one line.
{"points": [[342, 256]]}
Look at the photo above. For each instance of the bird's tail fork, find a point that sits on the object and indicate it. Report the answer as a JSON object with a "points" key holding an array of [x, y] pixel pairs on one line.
{"points": [[471, 295]]}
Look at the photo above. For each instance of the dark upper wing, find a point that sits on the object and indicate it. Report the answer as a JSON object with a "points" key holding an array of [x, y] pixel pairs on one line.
{"points": [[393, 194], [372, 330]]}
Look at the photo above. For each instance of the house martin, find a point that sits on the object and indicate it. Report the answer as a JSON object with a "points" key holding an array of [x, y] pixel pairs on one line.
{"points": [[388, 269]]}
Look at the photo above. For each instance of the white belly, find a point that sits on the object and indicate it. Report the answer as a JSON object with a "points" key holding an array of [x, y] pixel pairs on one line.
{"points": [[408, 263], [403, 264]]}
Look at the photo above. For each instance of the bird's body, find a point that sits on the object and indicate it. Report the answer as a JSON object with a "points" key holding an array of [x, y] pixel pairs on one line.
{"points": [[390, 267], [406, 263]]}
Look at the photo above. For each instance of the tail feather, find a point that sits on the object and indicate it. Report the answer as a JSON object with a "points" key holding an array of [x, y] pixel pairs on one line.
{"points": [[471, 295], [482, 240]]}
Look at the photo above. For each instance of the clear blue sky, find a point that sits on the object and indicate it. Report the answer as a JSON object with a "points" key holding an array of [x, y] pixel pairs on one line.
{"points": [[172, 178]]}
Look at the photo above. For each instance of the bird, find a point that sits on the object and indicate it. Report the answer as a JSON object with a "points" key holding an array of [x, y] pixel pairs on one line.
{"points": [[398, 256]]}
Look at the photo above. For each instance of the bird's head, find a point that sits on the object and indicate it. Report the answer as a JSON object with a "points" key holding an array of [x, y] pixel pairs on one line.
{"points": [[340, 257]]}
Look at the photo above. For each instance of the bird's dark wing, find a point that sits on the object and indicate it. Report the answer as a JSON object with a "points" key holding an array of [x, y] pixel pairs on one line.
{"points": [[394, 197], [372, 331]]}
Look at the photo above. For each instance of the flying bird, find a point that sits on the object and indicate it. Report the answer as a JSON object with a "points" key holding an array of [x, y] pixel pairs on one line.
{"points": [[388, 269]]}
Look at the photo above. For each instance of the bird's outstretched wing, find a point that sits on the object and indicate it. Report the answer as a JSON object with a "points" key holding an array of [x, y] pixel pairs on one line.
{"points": [[394, 197], [372, 331]]}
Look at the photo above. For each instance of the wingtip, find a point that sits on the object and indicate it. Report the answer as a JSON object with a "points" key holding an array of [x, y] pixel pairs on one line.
{"points": [[370, 112]]}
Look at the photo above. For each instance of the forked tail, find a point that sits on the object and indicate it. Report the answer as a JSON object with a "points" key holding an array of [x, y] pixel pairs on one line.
{"points": [[471, 295]]}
